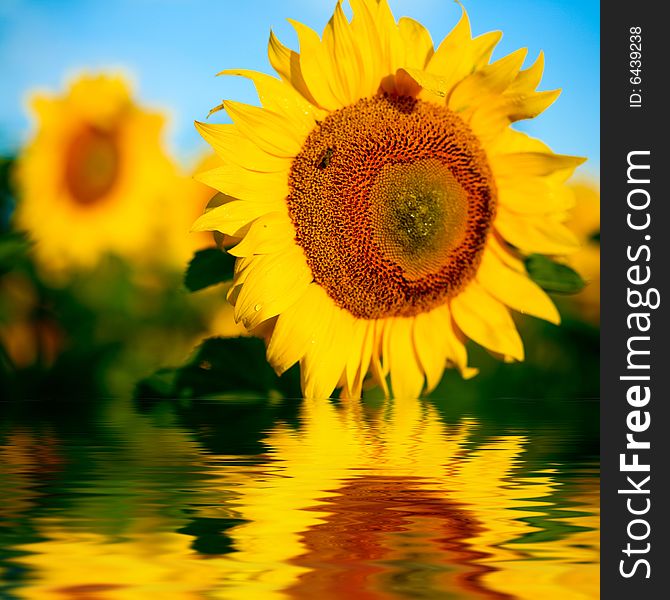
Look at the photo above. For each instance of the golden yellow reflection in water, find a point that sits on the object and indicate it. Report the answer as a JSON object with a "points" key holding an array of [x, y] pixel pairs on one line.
{"points": [[354, 503], [394, 505]]}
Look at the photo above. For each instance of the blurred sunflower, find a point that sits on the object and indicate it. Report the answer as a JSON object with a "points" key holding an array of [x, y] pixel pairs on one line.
{"points": [[585, 223], [94, 175], [383, 203], [187, 200]]}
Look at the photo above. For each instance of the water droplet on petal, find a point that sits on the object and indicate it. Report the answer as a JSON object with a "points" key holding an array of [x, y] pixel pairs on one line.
{"points": [[257, 307]]}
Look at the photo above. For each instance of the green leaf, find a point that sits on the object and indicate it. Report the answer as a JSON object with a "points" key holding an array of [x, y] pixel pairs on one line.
{"points": [[553, 276], [6, 191], [13, 247], [221, 367], [159, 385], [209, 267]]}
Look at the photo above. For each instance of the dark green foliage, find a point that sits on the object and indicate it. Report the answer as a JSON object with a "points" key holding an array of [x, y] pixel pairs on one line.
{"points": [[13, 250], [208, 267], [221, 367], [552, 276]]}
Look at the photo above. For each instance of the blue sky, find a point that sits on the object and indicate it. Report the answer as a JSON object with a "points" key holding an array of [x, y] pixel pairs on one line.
{"points": [[172, 49]]}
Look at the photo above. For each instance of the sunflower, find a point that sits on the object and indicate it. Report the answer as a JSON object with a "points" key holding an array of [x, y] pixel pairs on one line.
{"points": [[585, 223], [384, 204], [94, 175]]}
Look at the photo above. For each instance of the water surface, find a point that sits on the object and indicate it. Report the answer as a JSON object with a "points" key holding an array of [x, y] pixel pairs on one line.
{"points": [[294, 499]]}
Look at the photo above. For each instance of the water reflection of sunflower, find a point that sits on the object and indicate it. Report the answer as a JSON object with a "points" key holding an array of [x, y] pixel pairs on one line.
{"points": [[378, 193], [91, 178], [368, 503]]}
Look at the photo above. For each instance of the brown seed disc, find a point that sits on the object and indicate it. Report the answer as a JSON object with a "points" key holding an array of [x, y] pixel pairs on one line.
{"points": [[392, 199], [91, 165]]}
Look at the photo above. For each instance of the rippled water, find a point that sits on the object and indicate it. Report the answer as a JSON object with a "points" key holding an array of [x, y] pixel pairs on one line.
{"points": [[293, 499]]}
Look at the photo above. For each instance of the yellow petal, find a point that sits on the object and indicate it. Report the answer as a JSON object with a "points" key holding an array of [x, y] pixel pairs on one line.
{"points": [[378, 369], [274, 282], [482, 48], [417, 43], [529, 106], [493, 79], [367, 40], [317, 68], [512, 141], [486, 321], [232, 216], [515, 289], [510, 258], [270, 233], [528, 79], [452, 59], [244, 266], [281, 98], [246, 185], [489, 119], [407, 378], [436, 85], [233, 147], [360, 356], [286, 63], [454, 340], [535, 234], [270, 131], [533, 164], [294, 330], [325, 360], [430, 346], [389, 37], [534, 196], [339, 39]]}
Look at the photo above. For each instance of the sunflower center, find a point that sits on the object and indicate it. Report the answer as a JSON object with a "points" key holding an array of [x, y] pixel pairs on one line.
{"points": [[392, 199], [91, 165]]}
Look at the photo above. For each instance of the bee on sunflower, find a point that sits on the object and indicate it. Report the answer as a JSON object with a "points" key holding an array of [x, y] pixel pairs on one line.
{"points": [[384, 205]]}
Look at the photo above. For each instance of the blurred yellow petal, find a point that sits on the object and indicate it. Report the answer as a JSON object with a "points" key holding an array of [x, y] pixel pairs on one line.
{"points": [[534, 234], [535, 195]]}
